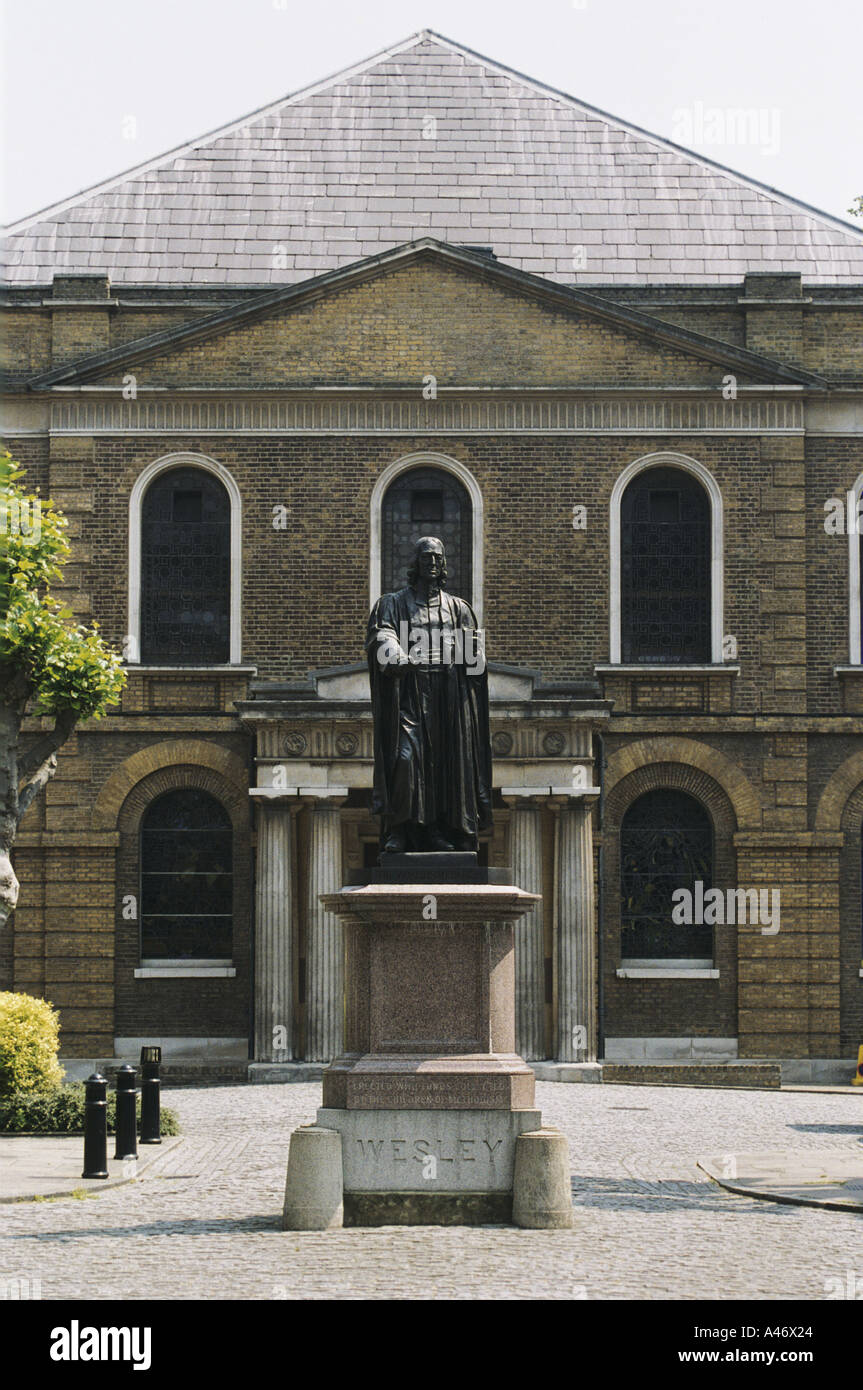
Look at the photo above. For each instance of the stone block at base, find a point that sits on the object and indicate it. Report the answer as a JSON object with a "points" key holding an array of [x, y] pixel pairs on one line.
{"points": [[433, 1151], [541, 1191], [428, 1208], [313, 1187]]}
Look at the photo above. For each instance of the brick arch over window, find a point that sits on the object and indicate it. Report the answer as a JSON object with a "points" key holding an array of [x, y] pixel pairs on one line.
{"points": [[674, 776], [692, 757], [196, 753], [179, 776], [841, 787]]}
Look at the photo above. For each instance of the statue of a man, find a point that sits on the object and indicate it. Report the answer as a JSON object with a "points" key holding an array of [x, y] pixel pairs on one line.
{"points": [[429, 689]]}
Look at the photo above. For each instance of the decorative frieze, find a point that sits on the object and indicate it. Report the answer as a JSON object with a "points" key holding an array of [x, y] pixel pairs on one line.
{"points": [[466, 413]]}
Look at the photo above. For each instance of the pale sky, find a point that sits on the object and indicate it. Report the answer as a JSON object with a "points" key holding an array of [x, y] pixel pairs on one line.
{"points": [[76, 70]]}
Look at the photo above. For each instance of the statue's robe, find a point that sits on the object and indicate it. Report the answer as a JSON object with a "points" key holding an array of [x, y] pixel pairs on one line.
{"points": [[431, 724]]}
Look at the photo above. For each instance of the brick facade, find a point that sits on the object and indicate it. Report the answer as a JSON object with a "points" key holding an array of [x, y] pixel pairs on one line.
{"points": [[768, 740]]}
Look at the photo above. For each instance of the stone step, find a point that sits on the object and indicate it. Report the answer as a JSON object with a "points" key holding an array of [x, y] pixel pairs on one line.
{"points": [[758, 1075]]}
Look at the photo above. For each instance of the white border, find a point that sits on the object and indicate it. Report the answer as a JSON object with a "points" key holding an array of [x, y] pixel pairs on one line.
{"points": [[669, 459], [136, 499], [855, 647], [449, 465]]}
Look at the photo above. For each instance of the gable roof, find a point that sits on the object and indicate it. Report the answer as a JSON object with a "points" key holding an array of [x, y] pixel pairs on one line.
{"points": [[351, 166], [563, 298]]}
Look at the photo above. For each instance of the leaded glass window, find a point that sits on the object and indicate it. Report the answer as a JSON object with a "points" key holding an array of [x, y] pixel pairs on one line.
{"points": [[666, 843], [665, 568], [186, 878], [186, 570], [427, 502]]}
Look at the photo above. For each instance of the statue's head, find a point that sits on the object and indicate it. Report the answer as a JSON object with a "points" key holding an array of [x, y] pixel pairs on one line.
{"points": [[429, 561]]}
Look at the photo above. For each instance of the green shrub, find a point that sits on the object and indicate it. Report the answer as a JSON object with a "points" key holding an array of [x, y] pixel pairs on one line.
{"points": [[29, 1043], [61, 1111]]}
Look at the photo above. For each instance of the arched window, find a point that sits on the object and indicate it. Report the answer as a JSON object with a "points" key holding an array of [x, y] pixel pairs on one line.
{"points": [[185, 605], [666, 844], [186, 878], [427, 502], [665, 568]]}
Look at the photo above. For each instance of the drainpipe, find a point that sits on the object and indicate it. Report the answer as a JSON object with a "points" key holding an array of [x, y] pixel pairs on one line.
{"points": [[253, 891], [600, 911]]}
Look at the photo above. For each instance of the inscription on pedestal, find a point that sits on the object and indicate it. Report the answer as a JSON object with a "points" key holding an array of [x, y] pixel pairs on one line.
{"points": [[415, 1150]]}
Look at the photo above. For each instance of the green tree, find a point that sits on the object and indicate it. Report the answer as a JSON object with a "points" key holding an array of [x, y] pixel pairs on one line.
{"points": [[856, 208], [49, 665]]}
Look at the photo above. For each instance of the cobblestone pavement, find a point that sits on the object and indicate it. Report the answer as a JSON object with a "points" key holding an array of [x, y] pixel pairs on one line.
{"points": [[203, 1222]]}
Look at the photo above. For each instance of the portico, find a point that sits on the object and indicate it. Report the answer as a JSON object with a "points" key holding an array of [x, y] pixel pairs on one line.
{"points": [[312, 784]]}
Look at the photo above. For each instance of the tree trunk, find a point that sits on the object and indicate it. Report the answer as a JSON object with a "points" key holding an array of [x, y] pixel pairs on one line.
{"points": [[10, 726]]}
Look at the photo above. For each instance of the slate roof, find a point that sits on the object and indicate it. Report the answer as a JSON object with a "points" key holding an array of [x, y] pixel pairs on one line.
{"points": [[351, 167]]}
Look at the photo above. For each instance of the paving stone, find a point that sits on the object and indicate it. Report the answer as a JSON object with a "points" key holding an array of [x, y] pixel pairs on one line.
{"points": [[204, 1222]]}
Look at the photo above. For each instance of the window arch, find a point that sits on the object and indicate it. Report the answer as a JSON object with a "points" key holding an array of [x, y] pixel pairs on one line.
{"points": [[666, 844], [427, 494], [666, 563], [185, 565], [186, 897]]}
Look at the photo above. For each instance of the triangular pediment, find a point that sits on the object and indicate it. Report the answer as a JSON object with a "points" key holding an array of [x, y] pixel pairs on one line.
{"points": [[425, 311]]}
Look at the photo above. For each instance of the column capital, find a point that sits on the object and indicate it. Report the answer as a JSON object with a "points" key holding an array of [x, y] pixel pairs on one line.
{"points": [[559, 797], [525, 796], [332, 797]]}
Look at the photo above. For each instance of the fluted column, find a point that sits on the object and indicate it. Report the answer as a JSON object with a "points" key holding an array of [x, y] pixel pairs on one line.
{"points": [[325, 970], [526, 855], [274, 898], [576, 931]]}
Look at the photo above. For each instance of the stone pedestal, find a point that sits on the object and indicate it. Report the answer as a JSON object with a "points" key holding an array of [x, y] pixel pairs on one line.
{"points": [[429, 1095]]}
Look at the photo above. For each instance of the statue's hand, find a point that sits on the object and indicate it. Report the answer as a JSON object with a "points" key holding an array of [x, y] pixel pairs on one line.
{"points": [[391, 656], [474, 650]]}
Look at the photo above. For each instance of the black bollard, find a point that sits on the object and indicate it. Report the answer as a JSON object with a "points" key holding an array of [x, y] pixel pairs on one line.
{"points": [[151, 1087], [95, 1127], [127, 1120]]}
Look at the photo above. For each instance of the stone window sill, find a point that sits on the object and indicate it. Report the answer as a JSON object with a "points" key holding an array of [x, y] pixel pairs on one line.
{"points": [[219, 667], [185, 970], [671, 668], [643, 972]]}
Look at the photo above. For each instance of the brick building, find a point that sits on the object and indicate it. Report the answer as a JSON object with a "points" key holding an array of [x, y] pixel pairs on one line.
{"points": [[622, 382]]}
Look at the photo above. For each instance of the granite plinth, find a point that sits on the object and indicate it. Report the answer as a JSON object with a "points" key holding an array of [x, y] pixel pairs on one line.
{"points": [[429, 1006], [406, 1150]]}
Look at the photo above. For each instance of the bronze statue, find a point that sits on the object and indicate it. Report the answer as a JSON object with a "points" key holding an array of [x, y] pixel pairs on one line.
{"points": [[429, 687]]}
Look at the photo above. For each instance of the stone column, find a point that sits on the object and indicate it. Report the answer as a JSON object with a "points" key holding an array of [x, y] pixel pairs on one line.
{"points": [[274, 898], [325, 972], [576, 930], [526, 854]]}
